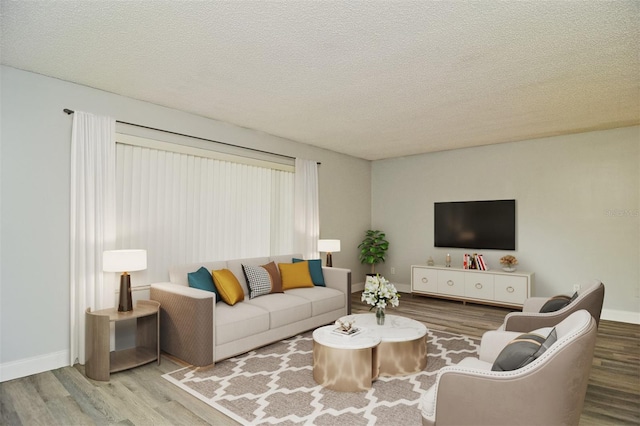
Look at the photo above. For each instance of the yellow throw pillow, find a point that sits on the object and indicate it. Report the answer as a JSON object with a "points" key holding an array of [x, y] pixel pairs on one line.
{"points": [[295, 275], [228, 286]]}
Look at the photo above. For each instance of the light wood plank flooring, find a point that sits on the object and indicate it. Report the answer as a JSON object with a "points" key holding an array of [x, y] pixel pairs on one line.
{"points": [[141, 397]]}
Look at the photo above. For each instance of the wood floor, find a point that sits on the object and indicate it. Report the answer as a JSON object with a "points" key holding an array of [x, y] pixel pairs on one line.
{"points": [[141, 397]]}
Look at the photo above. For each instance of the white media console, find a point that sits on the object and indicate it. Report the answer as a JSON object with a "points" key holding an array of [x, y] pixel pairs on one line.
{"points": [[490, 287]]}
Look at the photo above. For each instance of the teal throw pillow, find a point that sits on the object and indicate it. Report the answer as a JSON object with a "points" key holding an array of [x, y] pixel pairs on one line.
{"points": [[203, 280], [315, 269]]}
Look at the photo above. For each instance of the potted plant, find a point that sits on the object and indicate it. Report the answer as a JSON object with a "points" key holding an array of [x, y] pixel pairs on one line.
{"points": [[373, 248]]}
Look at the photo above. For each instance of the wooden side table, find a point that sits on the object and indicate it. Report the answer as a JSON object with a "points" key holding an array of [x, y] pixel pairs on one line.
{"points": [[100, 362]]}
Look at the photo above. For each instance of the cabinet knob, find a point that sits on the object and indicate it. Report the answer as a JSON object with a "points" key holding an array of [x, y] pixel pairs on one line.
{"points": [[478, 286], [449, 283], [510, 289], [425, 280]]}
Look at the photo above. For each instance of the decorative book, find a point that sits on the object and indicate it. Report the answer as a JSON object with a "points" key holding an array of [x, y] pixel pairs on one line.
{"points": [[351, 332]]}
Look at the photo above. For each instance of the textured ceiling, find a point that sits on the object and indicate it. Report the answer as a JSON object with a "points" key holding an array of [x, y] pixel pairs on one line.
{"points": [[374, 79]]}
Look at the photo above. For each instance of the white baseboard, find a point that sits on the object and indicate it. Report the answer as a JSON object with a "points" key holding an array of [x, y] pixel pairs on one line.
{"points": [[620, 316], [27, 367]]}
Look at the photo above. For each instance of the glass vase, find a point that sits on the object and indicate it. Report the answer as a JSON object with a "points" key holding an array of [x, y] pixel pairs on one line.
{"points": [[380, 316]]}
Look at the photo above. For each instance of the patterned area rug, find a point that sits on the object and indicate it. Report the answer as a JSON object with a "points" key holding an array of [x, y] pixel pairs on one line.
{"points": [[274, 385]]}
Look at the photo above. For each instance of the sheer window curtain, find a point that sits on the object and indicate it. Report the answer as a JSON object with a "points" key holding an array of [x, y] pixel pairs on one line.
{"points": [[92, 220], [307, 217], [187, 208]]}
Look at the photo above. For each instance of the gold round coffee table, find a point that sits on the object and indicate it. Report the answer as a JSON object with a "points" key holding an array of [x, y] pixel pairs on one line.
{"points": [[351, 363]]}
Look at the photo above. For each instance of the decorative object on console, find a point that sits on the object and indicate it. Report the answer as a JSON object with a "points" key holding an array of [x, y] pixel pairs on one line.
{"points": [[329, 246], [474, 261], [373, 248], [447, 261], [509, 262], [124, 261], [430, 261], [378, 292]]}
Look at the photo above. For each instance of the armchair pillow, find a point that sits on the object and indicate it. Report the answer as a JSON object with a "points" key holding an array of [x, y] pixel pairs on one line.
{"points": [[557, 302], [228, 286], [295, 275], [523, 350], [315, 270]]}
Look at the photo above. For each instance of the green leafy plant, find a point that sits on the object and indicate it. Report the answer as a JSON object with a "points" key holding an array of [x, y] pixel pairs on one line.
{"points": [[373, 248]]}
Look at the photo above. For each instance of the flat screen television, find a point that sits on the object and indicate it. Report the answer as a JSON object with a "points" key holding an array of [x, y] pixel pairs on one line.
{"points": [[475, 224]]}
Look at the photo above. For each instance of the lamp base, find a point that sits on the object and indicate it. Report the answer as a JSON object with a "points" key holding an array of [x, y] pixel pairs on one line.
{"points": [[125, 304], [329, 260]]}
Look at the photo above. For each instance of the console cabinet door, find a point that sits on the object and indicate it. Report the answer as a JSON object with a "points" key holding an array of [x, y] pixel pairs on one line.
{"points": [[478, 286], [510, 289], [451, 282], [425, 280]]}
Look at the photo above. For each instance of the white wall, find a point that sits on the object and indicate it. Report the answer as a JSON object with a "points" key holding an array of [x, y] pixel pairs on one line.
{"points": [[577, 203], [34, 221]]}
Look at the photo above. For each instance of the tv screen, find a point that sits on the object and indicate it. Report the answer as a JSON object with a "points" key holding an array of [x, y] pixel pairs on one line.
{"points": [[476, 224]]}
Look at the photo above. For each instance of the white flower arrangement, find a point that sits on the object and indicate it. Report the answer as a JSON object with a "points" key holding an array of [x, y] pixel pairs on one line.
{"points": [[378, 292]]}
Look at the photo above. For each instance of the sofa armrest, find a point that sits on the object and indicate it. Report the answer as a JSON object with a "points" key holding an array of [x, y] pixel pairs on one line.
{"points": [[186, 322], [339, 279]]}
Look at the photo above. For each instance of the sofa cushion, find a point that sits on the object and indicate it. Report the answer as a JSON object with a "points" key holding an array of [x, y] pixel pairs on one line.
{"points": [[283, 308], [235, 266], [295, 275], [315, 270], [202, 280], [523, 350], [259, 280], [228, 286], [178, 274], [239, 321], [274, 274], [323, 299]]}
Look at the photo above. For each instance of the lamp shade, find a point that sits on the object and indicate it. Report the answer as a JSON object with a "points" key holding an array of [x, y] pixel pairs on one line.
{"points": [[124, 260], [329, 246]]}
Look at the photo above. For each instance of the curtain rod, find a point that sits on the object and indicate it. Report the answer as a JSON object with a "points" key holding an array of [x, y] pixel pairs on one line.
{"points": [[70, 111]]}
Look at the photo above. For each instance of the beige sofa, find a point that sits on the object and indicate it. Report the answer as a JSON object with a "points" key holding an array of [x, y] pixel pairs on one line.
{"points": [[196, 329]]}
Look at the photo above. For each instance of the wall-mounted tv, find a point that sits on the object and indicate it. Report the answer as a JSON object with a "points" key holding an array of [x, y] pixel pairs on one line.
{"points": [[475, 224]]}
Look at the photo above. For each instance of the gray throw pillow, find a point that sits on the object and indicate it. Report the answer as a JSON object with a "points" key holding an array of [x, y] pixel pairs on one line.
{"points": [[557, 302], [523, 350]]}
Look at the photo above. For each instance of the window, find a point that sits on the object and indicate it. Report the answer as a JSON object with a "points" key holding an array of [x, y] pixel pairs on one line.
{"points": [[186, 205]]}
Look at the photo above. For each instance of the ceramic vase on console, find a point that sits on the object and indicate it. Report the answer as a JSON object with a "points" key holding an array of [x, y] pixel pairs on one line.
{"points": [[380, 316]]}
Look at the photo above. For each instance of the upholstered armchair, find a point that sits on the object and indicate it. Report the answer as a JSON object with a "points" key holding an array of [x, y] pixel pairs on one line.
{"points": [[550, 390], [590, 297]]}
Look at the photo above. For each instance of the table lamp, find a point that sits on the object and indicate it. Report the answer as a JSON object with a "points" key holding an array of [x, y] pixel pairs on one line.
{"points": [[329, 246], [124, 261]]}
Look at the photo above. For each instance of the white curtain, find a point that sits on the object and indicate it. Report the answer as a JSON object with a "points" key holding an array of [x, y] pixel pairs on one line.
{"points": [[307, 216], [186, 208], [92, 221]]}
